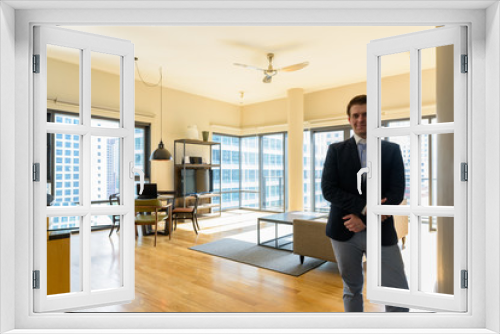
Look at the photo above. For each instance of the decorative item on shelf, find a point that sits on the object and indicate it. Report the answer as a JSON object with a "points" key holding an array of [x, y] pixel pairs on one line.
{"points": [[205, 135], [192, 132], [195, 160], [161, 153]]}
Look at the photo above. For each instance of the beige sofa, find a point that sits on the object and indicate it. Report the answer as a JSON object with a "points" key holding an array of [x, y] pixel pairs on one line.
{"points": [[309, 238]]}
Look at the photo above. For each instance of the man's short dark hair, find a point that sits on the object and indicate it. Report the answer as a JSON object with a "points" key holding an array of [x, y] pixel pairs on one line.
{"points": [[357, 100]]}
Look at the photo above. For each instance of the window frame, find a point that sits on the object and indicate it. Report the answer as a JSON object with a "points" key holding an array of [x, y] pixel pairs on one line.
{"points": [[82, 130], [220, 172], [485, 236], [416, 295], [147, 150]]}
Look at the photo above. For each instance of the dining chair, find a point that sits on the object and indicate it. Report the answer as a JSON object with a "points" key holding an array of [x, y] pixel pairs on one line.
{"points": [[114, 199], [187, 213], [149, 212]]}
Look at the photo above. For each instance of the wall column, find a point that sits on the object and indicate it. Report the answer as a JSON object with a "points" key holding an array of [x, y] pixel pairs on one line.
{"points": [[444, 113], [295, 115]]}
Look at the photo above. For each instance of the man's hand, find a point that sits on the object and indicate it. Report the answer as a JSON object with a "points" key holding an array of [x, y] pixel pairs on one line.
{"points": [[384, 217], [353, 223]]}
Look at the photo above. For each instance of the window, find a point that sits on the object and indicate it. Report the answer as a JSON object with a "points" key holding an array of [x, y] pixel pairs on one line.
{"points": [[258, 187], [316, 144], [228, 158], [273, 172]]}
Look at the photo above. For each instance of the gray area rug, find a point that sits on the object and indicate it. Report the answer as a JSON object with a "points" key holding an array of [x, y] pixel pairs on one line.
{"points": [[263, 257]]}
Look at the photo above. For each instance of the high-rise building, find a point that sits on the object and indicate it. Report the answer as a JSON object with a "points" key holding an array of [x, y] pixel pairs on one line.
{"points": [[105, 168]]}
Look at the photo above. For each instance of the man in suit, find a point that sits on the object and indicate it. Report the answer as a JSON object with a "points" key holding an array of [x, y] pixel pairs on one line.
{"points": [[346, 225]]}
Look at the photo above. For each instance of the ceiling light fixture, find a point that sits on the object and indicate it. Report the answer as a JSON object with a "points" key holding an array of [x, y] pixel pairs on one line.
{"points": [[270, 72], [161, 153]]}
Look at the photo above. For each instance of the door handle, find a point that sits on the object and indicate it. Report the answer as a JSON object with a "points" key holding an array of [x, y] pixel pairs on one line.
{"points": [[132, 171], [363, 170]]}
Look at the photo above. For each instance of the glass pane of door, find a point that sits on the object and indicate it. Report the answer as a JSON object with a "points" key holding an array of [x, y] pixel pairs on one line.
{"points": [[105, 91], [437, 167], [434, 82], [64, 256], [63, 74], [395, 76], [63, 167], [106, 266], [436, 275], [105, 167], [405, 148]]}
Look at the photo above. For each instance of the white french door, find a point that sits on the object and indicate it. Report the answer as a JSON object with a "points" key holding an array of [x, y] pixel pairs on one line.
{"points": [[79, 159], [434, 148]]}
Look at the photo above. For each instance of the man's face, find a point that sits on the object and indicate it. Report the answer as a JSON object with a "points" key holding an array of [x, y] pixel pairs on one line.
{"points": [[358, 119]]}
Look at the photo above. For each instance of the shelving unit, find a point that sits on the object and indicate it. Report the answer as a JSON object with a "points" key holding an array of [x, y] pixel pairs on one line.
{"points": [[205, 202]]}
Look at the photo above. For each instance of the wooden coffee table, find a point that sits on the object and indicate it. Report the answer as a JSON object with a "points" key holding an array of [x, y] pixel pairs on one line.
{"points": [[284, 242]]}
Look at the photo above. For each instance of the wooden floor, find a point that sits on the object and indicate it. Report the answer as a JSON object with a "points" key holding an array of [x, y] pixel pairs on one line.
{"points": [[173, 278]]}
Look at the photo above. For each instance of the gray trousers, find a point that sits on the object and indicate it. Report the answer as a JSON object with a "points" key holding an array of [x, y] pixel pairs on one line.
{"points": [[349, 256]]}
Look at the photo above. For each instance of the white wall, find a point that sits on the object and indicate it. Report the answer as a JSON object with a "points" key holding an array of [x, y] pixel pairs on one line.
{"points": [[7, 159], [492, 126]]}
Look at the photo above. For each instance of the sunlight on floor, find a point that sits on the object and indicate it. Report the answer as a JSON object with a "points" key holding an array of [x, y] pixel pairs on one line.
{"points": [[193, 281]]}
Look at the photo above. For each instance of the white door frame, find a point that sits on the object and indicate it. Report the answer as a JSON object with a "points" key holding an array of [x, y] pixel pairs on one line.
{"points": [[482, 97]]}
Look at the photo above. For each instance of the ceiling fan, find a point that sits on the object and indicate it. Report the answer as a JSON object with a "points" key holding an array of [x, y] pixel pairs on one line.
{"points": [[270, 72]]}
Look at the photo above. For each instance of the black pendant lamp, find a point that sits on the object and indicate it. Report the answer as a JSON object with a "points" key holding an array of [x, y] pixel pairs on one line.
{"points": [[161, 153]]}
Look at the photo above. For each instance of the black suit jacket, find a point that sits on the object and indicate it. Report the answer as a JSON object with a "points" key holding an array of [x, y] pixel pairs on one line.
{"points": [[339, 186]]}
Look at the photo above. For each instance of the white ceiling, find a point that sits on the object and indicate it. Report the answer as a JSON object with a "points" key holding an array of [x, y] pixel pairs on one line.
{"points": [[199, 60]]}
